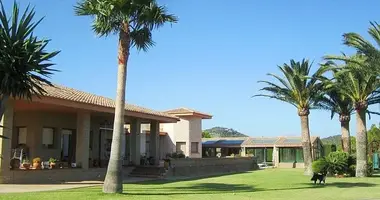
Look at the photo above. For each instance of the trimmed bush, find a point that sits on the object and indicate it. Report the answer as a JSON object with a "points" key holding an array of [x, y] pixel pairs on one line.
{"points": [[337, 162], [320, 166]]}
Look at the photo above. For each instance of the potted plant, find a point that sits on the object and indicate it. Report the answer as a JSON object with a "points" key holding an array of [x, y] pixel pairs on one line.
{"points": [[37, 163], [26, 164], [52, 162]]}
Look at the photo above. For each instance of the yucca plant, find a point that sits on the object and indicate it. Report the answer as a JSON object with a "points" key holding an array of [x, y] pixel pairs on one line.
{"points": [[133, 21], [24, 61]]}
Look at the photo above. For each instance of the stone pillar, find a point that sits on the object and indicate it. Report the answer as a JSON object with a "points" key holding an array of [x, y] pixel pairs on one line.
{"points": [[243, 152], [135, 141], [83, 139], [276, 156], [154, 141], [6, 144]]}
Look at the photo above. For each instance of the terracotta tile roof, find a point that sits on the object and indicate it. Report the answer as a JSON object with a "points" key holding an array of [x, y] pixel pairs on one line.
{"points": [[223, 142], [281, 141], [62, 92], [186, 111], [260, 141]]}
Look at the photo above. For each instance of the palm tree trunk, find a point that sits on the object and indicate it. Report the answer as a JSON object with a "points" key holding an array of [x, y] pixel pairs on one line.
{"points": [[113, 182], [306, 144], [345, 130], [361, 143]]}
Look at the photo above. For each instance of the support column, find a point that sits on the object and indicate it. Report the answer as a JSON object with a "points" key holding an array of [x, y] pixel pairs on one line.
{"points": [[135, 140], [154, 141], [243, 152], [5, 144], [83, 139]]}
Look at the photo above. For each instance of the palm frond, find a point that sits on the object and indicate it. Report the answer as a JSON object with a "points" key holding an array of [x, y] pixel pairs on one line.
{"points": [[24, 61], [140, 16], [296, 87]]}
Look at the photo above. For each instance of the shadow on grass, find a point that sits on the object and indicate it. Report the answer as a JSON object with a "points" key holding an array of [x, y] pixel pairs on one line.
{"points": [[200, 188], [220, 188], [183, 179], [156, 189]]}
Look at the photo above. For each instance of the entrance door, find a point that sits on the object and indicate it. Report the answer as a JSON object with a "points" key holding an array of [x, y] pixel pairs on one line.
{"points": [[67, 146]]}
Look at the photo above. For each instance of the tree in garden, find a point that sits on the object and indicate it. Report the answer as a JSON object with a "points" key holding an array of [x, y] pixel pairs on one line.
{"points": [[206, 134], [133, 21], [336, 102], [24, 61], [302, 91], [362, 88]]}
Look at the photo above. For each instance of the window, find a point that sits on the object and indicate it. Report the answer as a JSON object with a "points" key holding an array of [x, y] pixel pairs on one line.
{"points": [[287, 155], [22, 133], [291, 155], [48, 137], [299, 155], [269, 154], [194, 147], [181, 147]]}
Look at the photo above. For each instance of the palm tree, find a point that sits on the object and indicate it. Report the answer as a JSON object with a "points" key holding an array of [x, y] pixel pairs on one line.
{"points": [[24, 61], [362, 88], [301, 91], [133, 21], [363, 46], [337, 103]]}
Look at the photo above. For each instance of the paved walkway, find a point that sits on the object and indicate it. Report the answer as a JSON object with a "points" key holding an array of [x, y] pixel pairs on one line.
{"points": [[20, 188]]}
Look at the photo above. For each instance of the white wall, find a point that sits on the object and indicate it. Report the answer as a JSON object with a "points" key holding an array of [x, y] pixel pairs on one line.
{"points": [[188, 129], [168, 143]]}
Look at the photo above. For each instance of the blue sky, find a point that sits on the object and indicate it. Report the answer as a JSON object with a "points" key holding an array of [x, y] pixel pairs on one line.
{"points": [[212, 59]]}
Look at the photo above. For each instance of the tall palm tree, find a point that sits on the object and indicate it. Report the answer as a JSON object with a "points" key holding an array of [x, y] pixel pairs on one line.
{"points": [[133, 21], [362, 88], [302, 91], [337, 103], [24, 61]]}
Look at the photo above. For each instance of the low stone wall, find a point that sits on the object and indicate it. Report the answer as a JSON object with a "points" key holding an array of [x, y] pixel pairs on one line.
{"points": [[56, 175], [193, 167], [290, 165]]}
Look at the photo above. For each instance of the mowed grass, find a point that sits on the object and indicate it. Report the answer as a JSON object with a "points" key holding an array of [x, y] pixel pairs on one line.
{"points": [[264, 184]]}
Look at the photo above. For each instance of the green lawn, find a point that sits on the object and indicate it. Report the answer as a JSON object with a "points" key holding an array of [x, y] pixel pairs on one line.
{"points": [[265, 184]]}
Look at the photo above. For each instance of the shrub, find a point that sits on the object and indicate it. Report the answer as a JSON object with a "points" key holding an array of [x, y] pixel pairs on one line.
{"points": [[337, 162], [181, 155], [320, 166], [352, 170]]}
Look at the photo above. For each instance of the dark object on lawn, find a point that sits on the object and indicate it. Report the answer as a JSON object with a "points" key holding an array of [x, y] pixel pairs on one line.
{"points": [[319, 176]]}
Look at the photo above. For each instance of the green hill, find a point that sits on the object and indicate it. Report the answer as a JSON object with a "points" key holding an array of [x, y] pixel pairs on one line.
{"points": [[224, 132], [336, 139]]}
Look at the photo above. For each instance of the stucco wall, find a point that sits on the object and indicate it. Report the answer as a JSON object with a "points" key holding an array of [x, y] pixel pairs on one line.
{"points": [[182, 132], [169, 140], [196, 136]]}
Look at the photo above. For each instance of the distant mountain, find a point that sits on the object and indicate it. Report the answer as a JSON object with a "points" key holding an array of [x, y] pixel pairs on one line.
{"points": [[224, 132], [336, 139]]}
